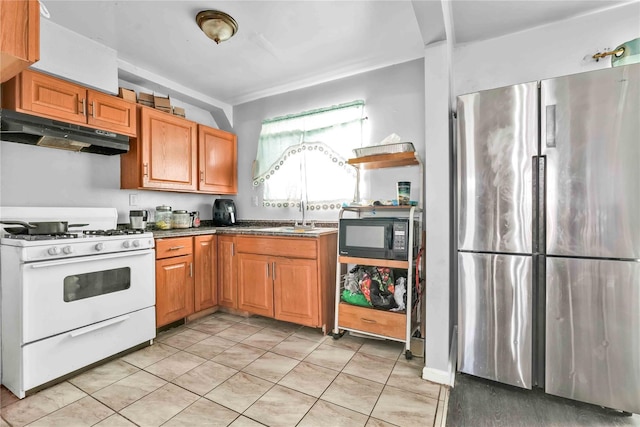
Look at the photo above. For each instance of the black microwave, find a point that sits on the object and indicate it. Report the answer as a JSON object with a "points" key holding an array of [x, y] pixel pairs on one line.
{"points": [[382, 238]]}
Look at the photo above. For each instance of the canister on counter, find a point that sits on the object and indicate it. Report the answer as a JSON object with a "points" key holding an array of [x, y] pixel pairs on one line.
{"points": [[181, 219], [163, 217]]}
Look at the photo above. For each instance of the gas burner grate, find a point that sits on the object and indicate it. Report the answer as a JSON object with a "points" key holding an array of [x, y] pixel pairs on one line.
{"points": [[121, 232], [36, 237]]}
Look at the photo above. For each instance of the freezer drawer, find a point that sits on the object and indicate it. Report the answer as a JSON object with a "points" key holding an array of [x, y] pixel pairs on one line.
{"points": [[593, 331], [495, 318]]}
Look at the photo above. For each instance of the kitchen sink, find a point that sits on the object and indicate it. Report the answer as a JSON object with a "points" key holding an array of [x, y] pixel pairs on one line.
{"points": [[293, 229]]}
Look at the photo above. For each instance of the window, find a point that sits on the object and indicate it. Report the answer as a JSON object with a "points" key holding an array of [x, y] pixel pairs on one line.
{"points": [[303, 157]]}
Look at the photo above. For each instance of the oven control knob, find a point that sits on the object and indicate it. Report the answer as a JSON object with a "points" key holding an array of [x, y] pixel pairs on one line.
{"points": [[136, 244], [67, 250], [126, 244], [99, 246], [54, 250]]}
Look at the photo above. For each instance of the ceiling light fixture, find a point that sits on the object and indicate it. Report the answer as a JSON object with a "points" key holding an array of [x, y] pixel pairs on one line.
{"points": [[218, 26]]}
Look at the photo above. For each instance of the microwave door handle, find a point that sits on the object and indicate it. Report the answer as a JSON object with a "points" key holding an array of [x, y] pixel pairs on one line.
{"points": [[389, 238]]}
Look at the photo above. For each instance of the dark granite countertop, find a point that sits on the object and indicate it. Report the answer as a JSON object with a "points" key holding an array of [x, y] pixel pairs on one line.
{"points": [[258, 228]]}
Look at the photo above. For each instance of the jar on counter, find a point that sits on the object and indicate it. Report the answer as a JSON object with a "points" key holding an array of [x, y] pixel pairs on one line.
{"points": [[195, 219], [164, 217], [181, 219]]}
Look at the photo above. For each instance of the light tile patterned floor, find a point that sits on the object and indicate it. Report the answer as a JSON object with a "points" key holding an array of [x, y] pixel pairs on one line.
{"points": [[227, 370]]}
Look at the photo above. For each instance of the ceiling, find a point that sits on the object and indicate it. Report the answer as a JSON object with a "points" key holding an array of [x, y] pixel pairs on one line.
{"points": [[286, 45]]}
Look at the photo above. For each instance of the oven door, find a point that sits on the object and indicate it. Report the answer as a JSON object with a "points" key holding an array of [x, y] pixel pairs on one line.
{"points": [[62, 295]]}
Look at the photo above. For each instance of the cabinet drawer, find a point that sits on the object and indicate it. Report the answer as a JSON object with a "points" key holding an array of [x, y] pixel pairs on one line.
{"points": [[277, 246], [385, 323], [174, 246]]}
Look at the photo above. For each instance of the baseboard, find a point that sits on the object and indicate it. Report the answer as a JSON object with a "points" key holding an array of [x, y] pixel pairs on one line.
{"points": [[441, 376], [436, 376]]}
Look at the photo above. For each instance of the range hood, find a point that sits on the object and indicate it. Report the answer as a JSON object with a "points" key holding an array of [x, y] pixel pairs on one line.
{"points": [[33, 130]]}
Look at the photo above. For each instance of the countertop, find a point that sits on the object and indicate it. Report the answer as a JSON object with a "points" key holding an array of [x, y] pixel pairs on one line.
{"points": [[257, 230]]}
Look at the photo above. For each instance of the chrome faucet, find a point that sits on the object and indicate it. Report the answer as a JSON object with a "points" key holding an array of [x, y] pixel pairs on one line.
{"points": [[304, 225]]}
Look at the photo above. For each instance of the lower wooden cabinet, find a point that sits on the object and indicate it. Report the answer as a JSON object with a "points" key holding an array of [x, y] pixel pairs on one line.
{"points": [[227, 271], [255, 284], [174, 280], [290, 279], [206, 271], [295, 291], [186, 273]]}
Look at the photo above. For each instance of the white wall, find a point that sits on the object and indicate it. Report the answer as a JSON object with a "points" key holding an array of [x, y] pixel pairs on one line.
{"points": [[394, 103], [77, 58], [553, 50], [438, 213]]}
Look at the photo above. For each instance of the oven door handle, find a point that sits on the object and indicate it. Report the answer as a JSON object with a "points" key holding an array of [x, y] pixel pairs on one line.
{"points": [[98, 326], [88, 258]]}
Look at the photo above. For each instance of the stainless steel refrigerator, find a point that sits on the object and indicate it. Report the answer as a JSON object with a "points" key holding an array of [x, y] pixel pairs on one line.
{"points": [[548, 201]]}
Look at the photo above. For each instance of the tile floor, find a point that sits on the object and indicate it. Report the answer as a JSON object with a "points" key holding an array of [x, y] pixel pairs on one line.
{"points": [[227, 370]]}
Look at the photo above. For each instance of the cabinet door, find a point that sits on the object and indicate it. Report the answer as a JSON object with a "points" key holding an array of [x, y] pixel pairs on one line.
{"points": [[169, 150], [19, 36], [174, 289], [227, 272], [218, 161], [206, 290], [51, 97], [295, 291], [111, 113], [255, 284]]}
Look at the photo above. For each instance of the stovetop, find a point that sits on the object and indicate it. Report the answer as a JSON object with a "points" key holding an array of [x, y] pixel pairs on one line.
{"points": [[99, 237], [79, 235]]}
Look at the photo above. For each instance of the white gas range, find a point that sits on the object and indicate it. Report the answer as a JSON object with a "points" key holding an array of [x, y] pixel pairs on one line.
{"points": [[72, 299]]}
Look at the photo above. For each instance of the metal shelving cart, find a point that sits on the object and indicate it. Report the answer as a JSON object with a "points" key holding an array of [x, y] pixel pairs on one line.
{"points": [[398, 325]]}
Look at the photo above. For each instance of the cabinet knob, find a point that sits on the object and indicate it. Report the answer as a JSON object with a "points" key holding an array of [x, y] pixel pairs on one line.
{"points": [[201, 176], [146, 169]]}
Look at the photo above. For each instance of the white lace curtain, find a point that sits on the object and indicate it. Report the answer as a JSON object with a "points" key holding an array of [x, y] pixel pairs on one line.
{"points": [[304, 157]]}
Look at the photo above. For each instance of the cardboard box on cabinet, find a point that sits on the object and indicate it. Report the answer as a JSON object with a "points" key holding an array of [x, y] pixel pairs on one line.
{"points": [[161, 103], [127, 94], [145, 99], [177, 111]]}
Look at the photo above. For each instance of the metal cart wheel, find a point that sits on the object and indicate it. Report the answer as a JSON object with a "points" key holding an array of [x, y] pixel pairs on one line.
{"points": [[408, 355], [337, 336]]}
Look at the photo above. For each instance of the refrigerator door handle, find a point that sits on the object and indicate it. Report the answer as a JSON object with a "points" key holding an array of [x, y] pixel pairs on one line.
{"points": [[542, 207], [551, 126], [535, 194]]}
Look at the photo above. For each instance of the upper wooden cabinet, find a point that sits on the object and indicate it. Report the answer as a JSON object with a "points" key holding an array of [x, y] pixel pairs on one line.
{"points": [[47, 96], [19, 36], [176, 154], [217, 161], [164, 155]]}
